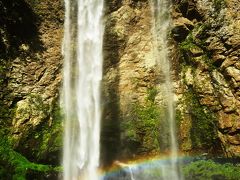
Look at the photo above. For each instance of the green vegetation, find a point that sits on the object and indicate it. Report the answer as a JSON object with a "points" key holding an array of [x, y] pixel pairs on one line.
{"points": [[197, 170], [151, 95], [219, 4], [41, 144], [15, 166], [187, 43], [196, 38], [2, 72], [203, 131], [143, 124], [203, 170], [44, 141], [194, 49], [178, 119], [195, 55], [208, 169], [50, 141]]}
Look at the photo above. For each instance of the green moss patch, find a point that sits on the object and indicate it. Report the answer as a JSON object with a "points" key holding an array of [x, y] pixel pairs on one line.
{"points": [[203, 131], [15, 166], [49, 138], [142, 125]]}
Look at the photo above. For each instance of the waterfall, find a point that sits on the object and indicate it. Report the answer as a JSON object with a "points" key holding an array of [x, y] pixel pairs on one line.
{"points": [[82, 50], [161, 24]]}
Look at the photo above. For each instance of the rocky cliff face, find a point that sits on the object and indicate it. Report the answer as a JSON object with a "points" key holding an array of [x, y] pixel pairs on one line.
{"points": [[130, 81], [204, 47], [31, 62], [207, 35], [204, 44]]}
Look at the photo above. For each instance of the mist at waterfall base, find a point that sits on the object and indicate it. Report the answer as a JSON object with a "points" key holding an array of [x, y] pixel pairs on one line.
{"points": [[83, 62]]}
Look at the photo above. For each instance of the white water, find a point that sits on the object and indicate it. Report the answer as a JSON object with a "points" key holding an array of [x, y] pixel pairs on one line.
{"points": [[161, 24], [82, 49], [131, 173], [123, 165]]}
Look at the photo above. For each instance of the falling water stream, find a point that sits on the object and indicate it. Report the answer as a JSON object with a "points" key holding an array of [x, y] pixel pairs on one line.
{"points": [[161, 24], [82, 49]]}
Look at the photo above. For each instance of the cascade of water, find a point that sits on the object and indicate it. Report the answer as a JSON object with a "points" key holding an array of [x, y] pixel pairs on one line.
{"points": [[161, 26], [82, 50]]}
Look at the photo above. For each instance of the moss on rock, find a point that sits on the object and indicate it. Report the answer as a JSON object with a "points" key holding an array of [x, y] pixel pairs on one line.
{"points": [[203, 131], [41, 130], [142, 125], [14, 165]]}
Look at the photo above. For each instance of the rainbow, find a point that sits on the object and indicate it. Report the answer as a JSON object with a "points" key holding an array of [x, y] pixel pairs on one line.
{"points": [[146, 168]]}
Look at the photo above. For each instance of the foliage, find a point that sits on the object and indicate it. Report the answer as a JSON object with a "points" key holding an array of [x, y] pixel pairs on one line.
{"points": [[14, 165], [146, 116], [178, 117], [2, 70], [196, 39], [53, 139], [43, 141], [203, 131], [151, 94], [187, 43], [208, 169], [143, 124], [49, 141], [219, 4], [195, 54]]}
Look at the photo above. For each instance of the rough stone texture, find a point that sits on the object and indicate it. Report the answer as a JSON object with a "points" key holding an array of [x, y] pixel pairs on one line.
{"points": [[212, 71], [29, 113], [129, 71], [205, 59], [32, 37]]}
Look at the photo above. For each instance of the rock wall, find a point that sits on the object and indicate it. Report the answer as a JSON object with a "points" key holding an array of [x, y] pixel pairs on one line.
{"points": [[204, 45], [129, 74], [30, 67], [207, 36]]}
